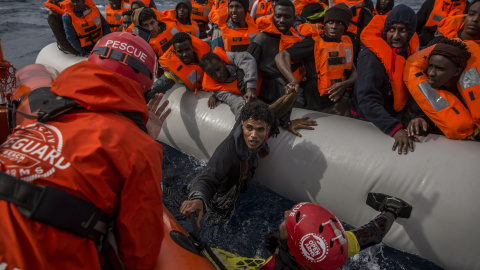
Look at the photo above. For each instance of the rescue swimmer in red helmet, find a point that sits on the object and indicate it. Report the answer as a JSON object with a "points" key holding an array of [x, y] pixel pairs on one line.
{"points": [[312, 238], [86, 161]]}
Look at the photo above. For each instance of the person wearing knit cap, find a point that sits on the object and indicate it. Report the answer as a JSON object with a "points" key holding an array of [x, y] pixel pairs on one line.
{"points": [[328, 61], [182, 17], [379, 95], [233, 27], [314, 13], [445, 64]]}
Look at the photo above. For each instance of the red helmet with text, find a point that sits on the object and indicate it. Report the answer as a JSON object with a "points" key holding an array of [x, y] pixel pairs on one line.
{"points": [[126, 54], [316, 237]]}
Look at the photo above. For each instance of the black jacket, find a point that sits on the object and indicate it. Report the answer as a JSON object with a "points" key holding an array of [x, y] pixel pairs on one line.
{"points": [[227, 174]]}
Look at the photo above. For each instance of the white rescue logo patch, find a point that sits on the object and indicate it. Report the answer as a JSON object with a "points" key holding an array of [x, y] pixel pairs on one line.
{"points": [[35, 151], [313, 247]]}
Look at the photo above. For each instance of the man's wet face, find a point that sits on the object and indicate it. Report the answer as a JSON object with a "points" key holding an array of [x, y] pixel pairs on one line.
{"points": [[397, 35], [334, 30], [283, 18], [236, 12], [218, 71], [152, 25], [472, 22], [184, 51], [254, 132]]}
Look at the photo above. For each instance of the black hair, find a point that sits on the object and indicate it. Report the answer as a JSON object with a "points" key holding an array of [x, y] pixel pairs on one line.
{"points": [[285, 3], [207, 60], [458, 61], [181, 37], [127, 12], [146, 14], [138, 2], [257, 110], [473, 2], [388, 8]]}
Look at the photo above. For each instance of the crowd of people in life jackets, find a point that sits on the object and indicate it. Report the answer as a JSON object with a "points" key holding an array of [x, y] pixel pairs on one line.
{"points": [[380, 64]]}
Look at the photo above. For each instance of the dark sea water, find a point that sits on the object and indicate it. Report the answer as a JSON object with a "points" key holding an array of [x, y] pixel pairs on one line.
{"points": [[24, 31]]}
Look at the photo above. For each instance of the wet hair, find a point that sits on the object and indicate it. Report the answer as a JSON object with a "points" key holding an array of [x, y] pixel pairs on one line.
{"points": [[258, 111], [147, 14], [181, 37], [285, 3], [458, 55], [127, 12], [207, 60]]}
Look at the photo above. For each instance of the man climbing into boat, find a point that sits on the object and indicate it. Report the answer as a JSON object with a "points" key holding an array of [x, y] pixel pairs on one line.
{"points": [[231, 76], [311, 237], [444, 87], [84, 25], [276, 34], [231, 166], [87, 161], [180, 63]]}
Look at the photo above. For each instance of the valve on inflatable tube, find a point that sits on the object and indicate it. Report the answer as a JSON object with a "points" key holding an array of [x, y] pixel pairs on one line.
{"points": [[383, 202]]}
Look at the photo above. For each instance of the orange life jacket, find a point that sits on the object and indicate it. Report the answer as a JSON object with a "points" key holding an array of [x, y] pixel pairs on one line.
{"points": [[300, 4], [375, 12], [264, 8], [445, 8], [192, 74], [210, 84], [266, 25], [371, 37], [309, 27], [447, 112], [126, 4], [353, 28], [217, 4], [161, 42], [113, 17], [58, 9], [191, 29], [200, 14], [235, 40], [89, 26], [332, 59], [450, 26]]}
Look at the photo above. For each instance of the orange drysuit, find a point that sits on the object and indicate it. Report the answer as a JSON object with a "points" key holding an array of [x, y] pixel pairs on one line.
{"points": [[96, 154]]}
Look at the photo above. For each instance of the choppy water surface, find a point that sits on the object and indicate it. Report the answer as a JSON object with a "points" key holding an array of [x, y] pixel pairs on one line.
{"points": [[24, 31]]}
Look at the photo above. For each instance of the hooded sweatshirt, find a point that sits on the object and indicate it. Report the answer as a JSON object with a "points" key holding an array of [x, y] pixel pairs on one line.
{"points": [[372, 97], [96, 154]]}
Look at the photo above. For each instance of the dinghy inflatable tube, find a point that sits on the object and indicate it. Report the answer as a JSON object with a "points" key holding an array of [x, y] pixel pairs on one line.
{"points": [[343, 159]]}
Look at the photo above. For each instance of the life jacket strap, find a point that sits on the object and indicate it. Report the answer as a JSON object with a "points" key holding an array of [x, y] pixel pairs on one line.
{"points": [[54, 207], [108, 52]]}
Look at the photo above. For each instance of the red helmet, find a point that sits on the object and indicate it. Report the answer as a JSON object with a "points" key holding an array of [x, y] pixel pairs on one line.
{"points": [[316, 237], [128, 55]]}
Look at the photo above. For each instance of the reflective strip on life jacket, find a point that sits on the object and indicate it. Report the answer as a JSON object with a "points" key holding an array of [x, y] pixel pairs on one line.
{"points": [[237, 40], [113, 17], [441, 106], [450, 26], [445, 8], [89, 26], [333, 60], [192, 74], [200, 14]]}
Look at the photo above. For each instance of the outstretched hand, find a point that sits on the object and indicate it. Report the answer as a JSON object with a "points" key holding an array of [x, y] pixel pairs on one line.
{"points": [[403, 141], [301, 123], [193, 206], [156, 115]]}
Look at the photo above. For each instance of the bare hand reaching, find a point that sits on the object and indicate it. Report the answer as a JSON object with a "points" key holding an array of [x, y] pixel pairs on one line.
{"points": [[156, 115]]}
